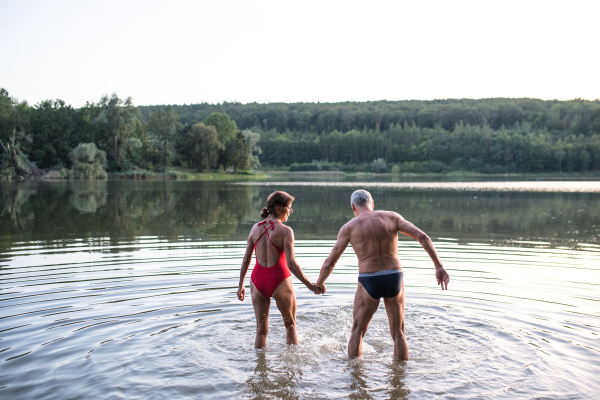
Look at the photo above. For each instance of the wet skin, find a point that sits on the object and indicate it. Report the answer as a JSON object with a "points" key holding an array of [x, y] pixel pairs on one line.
{"points": [[266, 255], [374, 238]]}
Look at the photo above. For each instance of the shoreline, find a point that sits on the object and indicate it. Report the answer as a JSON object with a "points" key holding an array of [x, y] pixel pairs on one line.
{"points": [[179, 173], [593, 174], [173, 174]]}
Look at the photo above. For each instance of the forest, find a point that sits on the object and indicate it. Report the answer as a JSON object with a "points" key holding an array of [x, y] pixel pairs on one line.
{"points": [[112, 136], [487, 135], [491, 136]]}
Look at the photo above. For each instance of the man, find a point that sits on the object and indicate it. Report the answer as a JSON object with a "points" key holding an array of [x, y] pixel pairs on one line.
{"points": [[374, 238]]}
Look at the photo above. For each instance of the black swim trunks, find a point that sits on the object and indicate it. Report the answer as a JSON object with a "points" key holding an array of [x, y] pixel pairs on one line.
{"points": [[382, 283]]}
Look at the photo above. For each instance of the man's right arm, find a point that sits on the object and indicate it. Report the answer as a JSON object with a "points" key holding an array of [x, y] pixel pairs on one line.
{"points": [[338, 249], [412, 231]]}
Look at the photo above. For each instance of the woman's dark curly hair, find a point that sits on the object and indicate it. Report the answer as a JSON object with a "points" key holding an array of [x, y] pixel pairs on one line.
{"points": [[276, 199]]}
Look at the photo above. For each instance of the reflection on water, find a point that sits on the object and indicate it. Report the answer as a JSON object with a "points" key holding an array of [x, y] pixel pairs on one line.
{"points": [[279, 382], [127, 290], [117, 211], [90, 197]]}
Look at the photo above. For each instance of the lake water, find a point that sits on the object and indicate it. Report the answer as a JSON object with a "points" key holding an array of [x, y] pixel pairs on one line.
{"points": [[126, 289]]}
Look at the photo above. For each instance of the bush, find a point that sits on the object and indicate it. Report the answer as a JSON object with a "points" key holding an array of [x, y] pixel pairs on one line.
{"points": [[303, 167], [437, 166], [54, 174], [314, 166], [87, 162], [378, 166], [148, 175]]}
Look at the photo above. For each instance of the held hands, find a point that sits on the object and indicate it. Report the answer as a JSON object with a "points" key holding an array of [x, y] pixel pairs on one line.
{"points": [[316, 289], [442, 278], [241, 293]]}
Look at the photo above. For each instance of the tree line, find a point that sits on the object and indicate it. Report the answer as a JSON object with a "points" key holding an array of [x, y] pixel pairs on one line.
{"points": [[409, 148], [111, 135], [573, 117], [487, 135]]}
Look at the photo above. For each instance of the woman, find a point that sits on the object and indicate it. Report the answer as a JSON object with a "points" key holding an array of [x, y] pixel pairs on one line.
{"points": [[271, 277]]}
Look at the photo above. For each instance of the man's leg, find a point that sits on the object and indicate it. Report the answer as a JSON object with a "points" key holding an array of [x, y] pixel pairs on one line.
{"points": [[394, 306], [364, 308]]}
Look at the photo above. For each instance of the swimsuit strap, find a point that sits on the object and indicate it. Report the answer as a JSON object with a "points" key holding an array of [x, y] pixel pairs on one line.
{"points": [[266, 231]]}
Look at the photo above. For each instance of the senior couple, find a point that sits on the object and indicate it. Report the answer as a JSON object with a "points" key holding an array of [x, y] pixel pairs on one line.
{"points": [[374, 238]]}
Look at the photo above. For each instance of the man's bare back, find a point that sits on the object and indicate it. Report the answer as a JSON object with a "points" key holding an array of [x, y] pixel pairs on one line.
{"points": [[374, 238]]}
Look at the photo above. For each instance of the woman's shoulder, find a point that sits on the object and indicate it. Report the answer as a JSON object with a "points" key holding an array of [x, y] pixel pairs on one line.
{"points": [[255, 228], [287, 228], [284, 230]]}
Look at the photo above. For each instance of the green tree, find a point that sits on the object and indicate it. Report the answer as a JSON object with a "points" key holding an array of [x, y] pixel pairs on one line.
{"points": [[226, 128], [559, 155], [54, 128], [12, 159], [14, 138], [163, 126], [200, 144], [569, 156], [6, 113], [118, 122], [88, 132], [584, 160], [252, 138], [14, 115], [237, 153]]}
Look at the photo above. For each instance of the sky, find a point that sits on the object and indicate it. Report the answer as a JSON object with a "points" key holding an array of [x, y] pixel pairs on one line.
{"points": [[182, 52]]}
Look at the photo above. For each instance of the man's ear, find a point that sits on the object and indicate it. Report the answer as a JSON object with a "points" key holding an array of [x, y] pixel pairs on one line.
{"points": [[353, 208]]}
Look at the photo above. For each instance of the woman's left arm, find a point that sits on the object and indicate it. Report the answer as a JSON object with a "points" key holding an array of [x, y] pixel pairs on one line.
{"points": [[288, 247], [241, 293]]}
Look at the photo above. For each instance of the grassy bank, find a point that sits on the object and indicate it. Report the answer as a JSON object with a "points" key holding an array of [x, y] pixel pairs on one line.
{"points": [[172, 173], [192, 174]]}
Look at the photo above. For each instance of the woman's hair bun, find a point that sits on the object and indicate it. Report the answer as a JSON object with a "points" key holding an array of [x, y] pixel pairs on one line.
{"points": [[265, 213], [276, 199]]}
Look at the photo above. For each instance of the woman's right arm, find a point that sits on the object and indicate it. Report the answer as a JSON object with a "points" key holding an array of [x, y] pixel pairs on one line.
{"points": [[241, 293]]}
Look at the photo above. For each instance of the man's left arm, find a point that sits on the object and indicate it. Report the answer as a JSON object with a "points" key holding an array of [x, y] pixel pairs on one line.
{"points": [[338, 249], [412, 231]]}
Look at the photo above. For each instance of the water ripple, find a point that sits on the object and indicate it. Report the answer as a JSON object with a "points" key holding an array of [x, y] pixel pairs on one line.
{"points": [[152, 319]]}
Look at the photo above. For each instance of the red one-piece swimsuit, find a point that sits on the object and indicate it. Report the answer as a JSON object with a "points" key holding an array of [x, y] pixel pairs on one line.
{"points": [[267, 279]]}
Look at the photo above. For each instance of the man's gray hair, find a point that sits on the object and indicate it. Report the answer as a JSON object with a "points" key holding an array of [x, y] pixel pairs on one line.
{"points": [[361, 198]]}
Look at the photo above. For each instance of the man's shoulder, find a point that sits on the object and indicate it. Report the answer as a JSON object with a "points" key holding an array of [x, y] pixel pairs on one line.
{"points": [[348, 225], [389, 219], [387, 214], [346, 229]]}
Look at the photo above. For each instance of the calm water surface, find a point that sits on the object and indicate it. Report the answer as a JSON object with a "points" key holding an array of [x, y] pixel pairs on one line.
{"points": [[127, 290]]}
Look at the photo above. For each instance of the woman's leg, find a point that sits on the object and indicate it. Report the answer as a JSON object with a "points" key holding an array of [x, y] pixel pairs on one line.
{"points": [[286, 303], [261, 310]]}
